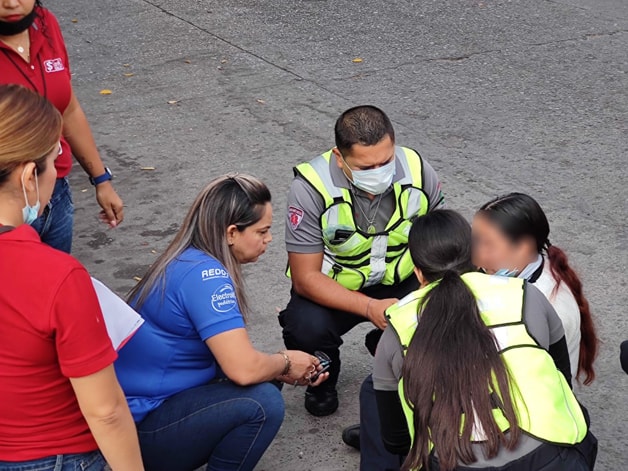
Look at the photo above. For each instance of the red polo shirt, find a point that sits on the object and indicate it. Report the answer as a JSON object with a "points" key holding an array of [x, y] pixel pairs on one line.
{"points": [[51, 329], [48, 72]]}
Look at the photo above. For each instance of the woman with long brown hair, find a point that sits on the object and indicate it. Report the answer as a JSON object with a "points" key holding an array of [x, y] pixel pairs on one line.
{"points": [[199, 391], [481, 364], [59, 398], [511, 237]]}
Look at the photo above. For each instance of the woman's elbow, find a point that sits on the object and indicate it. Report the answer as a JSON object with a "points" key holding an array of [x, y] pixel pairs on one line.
{"points": [[108, 414], [242, 377]]}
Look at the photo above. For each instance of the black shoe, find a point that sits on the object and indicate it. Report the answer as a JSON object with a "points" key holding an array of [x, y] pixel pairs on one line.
{"points": [[321, 402], [351, 436]]}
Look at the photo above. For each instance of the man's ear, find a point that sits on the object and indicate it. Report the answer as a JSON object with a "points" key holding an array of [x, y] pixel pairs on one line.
{"points": [[339, 158]]}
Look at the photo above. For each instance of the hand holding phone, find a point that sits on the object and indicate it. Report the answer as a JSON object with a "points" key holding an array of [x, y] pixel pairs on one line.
{"points": [[325, 363]]}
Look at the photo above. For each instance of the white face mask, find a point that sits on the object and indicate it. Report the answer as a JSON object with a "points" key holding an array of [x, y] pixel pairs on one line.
{"points": [[374, 181]]}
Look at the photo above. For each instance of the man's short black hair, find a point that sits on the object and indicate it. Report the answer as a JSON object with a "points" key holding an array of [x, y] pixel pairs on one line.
{"points": [[365, 125]]}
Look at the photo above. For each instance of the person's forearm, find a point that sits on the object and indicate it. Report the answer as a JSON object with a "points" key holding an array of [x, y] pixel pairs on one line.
{"points": [[321, 289], [264, 367], [116, 437], [77, 132]]}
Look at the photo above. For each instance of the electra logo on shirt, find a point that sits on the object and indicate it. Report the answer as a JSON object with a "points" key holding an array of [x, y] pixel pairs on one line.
{"points": [[214, 273], [224, 298], [54, 65]]}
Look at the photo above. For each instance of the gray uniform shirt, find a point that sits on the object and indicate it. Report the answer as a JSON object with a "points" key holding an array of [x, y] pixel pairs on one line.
{"points": [[305, 206], [542, 323]]}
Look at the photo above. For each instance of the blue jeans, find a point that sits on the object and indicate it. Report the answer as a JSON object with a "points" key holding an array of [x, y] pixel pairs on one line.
{"points": [[57, 221], [218, 425], [92, 461]]}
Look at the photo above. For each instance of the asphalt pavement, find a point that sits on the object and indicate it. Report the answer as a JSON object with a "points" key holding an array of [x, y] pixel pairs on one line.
{"points": [[497, 95]]}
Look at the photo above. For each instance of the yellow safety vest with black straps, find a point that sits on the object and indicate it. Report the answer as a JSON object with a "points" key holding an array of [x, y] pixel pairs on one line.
{"points": [[361, 259], [545, 405]]}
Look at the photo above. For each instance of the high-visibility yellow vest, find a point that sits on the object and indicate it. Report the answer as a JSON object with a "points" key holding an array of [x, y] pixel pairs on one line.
{"points": [[545, 405], [363, 259]]}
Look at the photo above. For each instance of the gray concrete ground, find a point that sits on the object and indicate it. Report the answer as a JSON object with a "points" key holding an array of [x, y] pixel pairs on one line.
{"points": [[498, 95]]}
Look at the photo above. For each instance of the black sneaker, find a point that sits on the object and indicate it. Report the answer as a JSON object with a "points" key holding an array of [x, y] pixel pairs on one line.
{"points": [[321, 401], [351, 436]]}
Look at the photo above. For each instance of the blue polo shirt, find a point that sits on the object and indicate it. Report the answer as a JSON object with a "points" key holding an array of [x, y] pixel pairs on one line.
{"points": [[168, 353]]}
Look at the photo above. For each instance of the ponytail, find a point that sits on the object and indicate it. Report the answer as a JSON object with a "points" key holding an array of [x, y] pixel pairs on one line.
{"points": [[562, 272], [451, 367]]}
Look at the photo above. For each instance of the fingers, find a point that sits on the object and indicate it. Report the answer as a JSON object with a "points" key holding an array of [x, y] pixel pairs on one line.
{"points": [[112, 207], [322, 378], [118, 211], [110, 216]]}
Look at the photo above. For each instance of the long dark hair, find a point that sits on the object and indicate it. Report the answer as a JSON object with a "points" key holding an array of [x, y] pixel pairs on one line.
{"points": [[519, 216], [452, 363], [233, 199]]}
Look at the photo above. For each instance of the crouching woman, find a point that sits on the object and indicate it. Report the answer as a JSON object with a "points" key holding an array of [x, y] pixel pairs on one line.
{"points": [[485, 371], [200, 393]]}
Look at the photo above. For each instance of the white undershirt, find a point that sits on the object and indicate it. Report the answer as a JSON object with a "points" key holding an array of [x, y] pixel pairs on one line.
{"points": [[565, 305]]}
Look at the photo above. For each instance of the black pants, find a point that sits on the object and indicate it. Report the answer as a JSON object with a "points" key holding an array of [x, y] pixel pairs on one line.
{"points": [[373, 453], [544, 458], [309, 326]]}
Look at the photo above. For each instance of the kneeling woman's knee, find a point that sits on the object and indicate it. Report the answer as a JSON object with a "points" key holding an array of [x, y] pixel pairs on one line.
{"points": [[270, 403]]}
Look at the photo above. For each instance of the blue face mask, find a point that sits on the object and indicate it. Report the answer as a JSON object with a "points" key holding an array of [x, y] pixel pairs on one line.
{"points": [[30, 213], [374, 181], [506, 272]]}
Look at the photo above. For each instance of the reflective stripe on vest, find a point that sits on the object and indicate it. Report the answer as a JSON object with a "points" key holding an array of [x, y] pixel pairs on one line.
{"points": [[546, 407], [364, 259]]}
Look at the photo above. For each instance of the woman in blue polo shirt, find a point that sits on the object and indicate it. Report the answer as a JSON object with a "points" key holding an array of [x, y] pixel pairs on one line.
{"points": [[199, 391]]}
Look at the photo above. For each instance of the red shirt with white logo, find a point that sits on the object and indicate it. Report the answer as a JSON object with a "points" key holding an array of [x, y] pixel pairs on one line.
{"points": [[48, 72], [52, 330]]}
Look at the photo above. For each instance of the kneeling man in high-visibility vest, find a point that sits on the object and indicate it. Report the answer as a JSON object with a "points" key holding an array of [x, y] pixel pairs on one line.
{"points": [[349, 215]]}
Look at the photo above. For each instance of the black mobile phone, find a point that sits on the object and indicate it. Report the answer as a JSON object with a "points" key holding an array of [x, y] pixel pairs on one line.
{"points": [[342, 235], [325, 363], [318, 373]]}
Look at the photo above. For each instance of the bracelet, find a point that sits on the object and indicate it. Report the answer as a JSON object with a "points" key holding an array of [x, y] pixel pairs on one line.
{"points": [[369, 305], [288, 366]]}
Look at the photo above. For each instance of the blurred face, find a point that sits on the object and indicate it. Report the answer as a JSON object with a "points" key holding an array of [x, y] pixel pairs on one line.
{"points": [[248, 245], [493, 250], [366, 157], [14, 10]]}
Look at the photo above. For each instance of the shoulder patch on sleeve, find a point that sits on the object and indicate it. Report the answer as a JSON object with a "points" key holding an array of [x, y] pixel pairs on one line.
{"points": [[224, 298], [296, 216]]}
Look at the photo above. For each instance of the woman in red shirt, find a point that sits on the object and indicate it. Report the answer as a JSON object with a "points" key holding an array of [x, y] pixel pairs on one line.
{"points": [[60, 401], [33, 54]]}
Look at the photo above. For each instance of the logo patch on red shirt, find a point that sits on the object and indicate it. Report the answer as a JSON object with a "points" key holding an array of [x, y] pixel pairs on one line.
{"points": [[296, 216], [54, 65]]}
